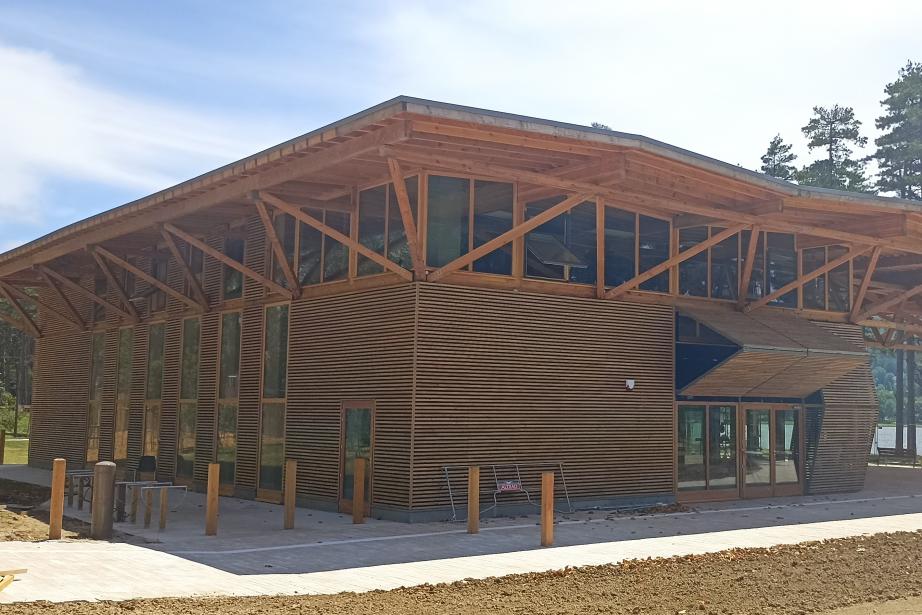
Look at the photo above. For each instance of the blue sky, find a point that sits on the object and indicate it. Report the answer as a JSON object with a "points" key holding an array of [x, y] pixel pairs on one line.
{"points": [[103, 102]]}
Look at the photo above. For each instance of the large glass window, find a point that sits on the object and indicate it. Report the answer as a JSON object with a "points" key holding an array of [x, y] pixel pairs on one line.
{"points": [[781, 258], [188, 398], [272, 430], [158, 269], [122, 394], [97, 356], [154, 390], [653, 248], [725, 267], [285, 231], [707, 442], [493, 204], [620, 246], [228, 392], [335, 254], [756, 288], [832, 290], [693, 272], [372, 227], [448, 219], [814, 291], [397, 248], [310, 251], [839, 281], [232, 287], [562, 248]]}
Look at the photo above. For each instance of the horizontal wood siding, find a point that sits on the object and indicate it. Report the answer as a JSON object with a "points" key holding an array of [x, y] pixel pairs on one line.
{"points": [[355, 347], [511, 377], [847, 425]]}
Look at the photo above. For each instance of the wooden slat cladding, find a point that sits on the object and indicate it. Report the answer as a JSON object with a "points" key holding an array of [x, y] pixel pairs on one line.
{"points": [[207, 395], [172, 349], [354, 347], [137, 394], [847, 425], [251, 339], [508, 377], [107, 413], [59, 399]]}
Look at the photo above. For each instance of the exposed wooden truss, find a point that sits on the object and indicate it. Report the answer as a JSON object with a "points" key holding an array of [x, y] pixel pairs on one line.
{"points": [[894, 299], [278, 251], [115, 284], [71, 320], [129, 315], [748, 266], [223, 258], [187, 272], [858, 301], [24, 318], [71, 312], [406, 215], [143, 275]]}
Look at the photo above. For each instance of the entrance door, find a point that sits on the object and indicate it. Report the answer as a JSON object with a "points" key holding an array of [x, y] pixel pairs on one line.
{"points": [[772, 451], [357, 441]]}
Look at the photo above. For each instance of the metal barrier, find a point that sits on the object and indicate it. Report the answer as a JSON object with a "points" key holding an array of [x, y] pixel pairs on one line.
{"points": [[514, 481]]}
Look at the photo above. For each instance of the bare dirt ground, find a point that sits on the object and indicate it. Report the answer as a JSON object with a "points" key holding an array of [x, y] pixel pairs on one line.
{"points": [[21, 517], [807, 578]]}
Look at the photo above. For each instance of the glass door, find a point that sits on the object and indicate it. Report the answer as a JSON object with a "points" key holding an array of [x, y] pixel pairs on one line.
{"points": [[357, 442], [772, 452], [757, 453]]}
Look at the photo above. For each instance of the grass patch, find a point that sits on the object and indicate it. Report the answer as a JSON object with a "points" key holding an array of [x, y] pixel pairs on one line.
{"points": [[17, 450]]}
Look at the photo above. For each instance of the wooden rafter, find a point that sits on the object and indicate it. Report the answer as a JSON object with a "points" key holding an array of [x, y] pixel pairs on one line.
{"points": [[334, 234], [865, 283], [115, 285], [68, 306], [514, 233], [74, 321], [746, 278], [890, 301], [681, 257], [852, 253], [219, 256], [140, 273], [86, 293], [406, 215], [281, 259], [187, 272], [24, 317]]}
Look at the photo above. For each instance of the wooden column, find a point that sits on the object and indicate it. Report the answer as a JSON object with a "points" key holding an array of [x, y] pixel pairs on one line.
{"points": [[211, 499], [56, 512], [547, 509], [291, 482], [910, 376], [900, 396], [358, 491], [473, 500]]}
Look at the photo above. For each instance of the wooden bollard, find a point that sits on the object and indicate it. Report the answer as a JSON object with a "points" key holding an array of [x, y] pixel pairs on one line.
{"points": [[2, 444], [164, 507], [473, 500], [103, 501], [135, 494], [56, 521], [291, 482], [148, 506], [547, 509], [358, 491], [211, 500]]}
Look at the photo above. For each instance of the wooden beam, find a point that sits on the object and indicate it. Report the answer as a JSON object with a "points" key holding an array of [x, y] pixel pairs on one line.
{"points": [[888, 324], [333, 233], [88, 294], [865, 283], [281, 259], [746, 278], [68, 306], [637, 280], [406, 215], [910, 347], [16, 292], [219, 256], [513, 233], [140, 273], [852, 253], [113, 283], [30, 325], [890, 301], [187, 272]]}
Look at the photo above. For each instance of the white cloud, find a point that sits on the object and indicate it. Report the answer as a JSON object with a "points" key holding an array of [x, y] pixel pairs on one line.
{"points": [[56, 123]]}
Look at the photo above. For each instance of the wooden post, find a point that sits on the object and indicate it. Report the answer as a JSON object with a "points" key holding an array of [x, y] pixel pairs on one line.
{"points": [[547, 509], [2, 445], [56, 513], [103, 500], [291, 478], [148, 506], [211, 501], [81, 489], [358, 491], [164, 506], [135, 493], [473, 500]]}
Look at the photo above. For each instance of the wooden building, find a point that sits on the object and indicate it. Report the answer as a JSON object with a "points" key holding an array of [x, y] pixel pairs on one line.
{"points": [[427, 285]]}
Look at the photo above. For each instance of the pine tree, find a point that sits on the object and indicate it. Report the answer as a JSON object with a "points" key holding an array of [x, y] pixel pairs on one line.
{"points": [[835, 130], [899, 149], [778, 158]]}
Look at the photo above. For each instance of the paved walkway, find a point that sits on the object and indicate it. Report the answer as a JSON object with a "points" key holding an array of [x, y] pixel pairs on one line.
{"points": [[326, 554]]}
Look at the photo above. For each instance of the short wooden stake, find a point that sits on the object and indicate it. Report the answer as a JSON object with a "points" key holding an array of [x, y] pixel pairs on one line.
{"points": [[358, 491], [211, 501], [2, 444], [135, 496], [164, 507], [473, 500], [148, 506], [291, 482], [547, 509], [56, 520], [103, 502]]}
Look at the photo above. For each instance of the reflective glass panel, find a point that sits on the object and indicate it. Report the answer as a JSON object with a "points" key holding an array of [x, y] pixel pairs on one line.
{"points": [[725, 282], [654, 249], [758, 447], [787, 449], [691, 447], [620, 246], [448, 219], [721, 447], [492, 218], [693, 272], [271, 446], [372, 215]]}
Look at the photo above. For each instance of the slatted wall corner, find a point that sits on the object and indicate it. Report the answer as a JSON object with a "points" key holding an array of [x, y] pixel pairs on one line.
{"points": [[207, 395], [847, 428], [352, 347], [507, 377]]}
